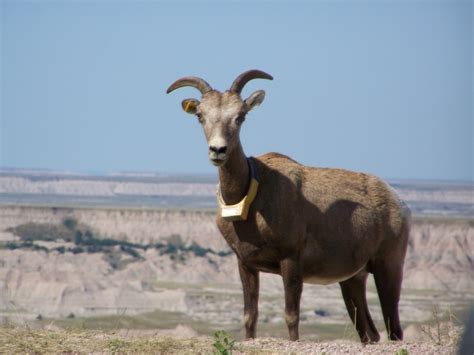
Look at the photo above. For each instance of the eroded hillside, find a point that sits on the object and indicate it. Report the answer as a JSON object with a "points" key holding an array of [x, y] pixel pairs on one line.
{"points": [[96, 262]]}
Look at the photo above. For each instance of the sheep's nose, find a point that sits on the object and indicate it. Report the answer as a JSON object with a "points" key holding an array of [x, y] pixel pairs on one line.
{"points": [[218, 150]]}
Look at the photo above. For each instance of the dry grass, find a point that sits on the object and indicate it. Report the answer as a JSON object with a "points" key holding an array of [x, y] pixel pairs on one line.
{"points": [[444, 329], [24, 340], [441, 336]]}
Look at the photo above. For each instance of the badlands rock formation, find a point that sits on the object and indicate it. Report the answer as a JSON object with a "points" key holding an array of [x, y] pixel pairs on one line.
{"points": [[440, 260]]}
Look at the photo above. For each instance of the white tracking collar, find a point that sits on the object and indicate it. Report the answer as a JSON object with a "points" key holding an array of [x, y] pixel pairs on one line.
{"points": [[239, 211]]}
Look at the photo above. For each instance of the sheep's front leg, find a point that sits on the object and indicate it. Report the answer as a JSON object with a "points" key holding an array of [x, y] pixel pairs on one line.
{"points": [[250, 284], [293, 283]]}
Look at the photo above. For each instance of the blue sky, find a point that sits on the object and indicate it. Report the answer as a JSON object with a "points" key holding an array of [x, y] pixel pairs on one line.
{"points": [[378, 86]]}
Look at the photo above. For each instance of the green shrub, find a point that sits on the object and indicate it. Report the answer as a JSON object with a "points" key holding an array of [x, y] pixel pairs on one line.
{"points": [[130, 251], [85, 240], [70, 223], [41, 231], [175, 240], [199, 250], [223, 343], [76, 250], [28, 244]]}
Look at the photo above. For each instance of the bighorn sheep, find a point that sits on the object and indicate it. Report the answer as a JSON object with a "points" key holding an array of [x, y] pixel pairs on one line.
{"points": [[313, 225]]}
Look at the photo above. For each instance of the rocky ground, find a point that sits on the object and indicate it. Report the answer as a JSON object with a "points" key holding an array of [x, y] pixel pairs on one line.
{"points": [[178, 341], [280, 346]]}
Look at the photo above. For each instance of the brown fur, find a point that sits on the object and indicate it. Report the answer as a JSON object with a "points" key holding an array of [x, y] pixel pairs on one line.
{"points": [[322, 226], [307, 224]]}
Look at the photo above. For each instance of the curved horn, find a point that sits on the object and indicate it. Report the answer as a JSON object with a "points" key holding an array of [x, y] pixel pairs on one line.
{"points": [[198, 83], [245, 77]]}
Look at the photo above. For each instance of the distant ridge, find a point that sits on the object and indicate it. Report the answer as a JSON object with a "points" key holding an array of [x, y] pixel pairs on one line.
{"points": [[38, 187], [133, 175]]}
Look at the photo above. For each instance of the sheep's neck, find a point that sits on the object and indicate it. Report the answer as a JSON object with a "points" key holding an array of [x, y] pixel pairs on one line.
{"points": [[234, 177]]}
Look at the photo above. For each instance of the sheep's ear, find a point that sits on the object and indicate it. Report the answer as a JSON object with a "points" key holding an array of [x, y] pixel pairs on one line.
{"points": [[190, 105], [255, 99]]}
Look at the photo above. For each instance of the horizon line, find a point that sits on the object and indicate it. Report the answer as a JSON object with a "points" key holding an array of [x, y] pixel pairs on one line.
{"points": [[155, 173]]}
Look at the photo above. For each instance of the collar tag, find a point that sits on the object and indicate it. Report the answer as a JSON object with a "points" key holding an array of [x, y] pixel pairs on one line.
{"points": [[239, 211]]}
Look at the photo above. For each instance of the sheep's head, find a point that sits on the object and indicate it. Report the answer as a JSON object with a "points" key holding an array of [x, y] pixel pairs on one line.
{"points": [[221, 114]]}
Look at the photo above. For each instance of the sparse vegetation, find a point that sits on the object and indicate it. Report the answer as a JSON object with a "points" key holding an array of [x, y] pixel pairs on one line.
{"points": [[118, 253], [25, 340], [20, 340], [42, 231], [223, 343], [28, 244], [441, 332], [70, 223]]}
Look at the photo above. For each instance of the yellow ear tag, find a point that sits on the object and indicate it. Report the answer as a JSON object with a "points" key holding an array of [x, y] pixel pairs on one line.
{"points": [[190, 106]]}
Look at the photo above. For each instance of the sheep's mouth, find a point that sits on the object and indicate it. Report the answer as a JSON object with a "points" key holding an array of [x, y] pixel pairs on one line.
{"points": [[217, 161]]}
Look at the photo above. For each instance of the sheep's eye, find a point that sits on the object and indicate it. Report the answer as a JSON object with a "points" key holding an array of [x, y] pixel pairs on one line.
{"points": [[199, 117]]}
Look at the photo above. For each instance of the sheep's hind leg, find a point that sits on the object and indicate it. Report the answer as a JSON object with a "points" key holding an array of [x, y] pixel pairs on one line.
{"points": [[250, 285], [388, 279], [293, 283], [353, 292]]}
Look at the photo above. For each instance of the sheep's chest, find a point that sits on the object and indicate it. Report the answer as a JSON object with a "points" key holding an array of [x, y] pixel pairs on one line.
{"points": [[253, 241]]}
